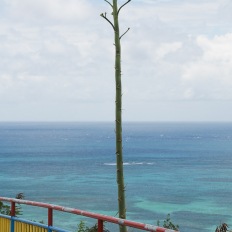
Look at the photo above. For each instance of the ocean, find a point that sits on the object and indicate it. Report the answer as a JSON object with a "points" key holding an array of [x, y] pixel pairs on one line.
{"points": [[181, 169]]}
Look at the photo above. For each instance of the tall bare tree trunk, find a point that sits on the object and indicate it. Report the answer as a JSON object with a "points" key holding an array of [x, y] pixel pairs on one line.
{"points": [[118, 109], [118, 117]]}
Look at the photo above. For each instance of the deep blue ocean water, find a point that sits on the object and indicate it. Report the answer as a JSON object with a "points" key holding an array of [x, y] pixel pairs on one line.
{"points": [[184, 169]]}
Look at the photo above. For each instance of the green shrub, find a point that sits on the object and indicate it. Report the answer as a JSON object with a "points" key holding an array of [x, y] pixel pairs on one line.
{"points": [[168, 223], [223, 228], [5, 208], [83, 228]]}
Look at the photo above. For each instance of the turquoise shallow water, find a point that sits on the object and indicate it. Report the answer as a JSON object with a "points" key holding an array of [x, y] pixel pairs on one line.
{"points": [[179, 168]]}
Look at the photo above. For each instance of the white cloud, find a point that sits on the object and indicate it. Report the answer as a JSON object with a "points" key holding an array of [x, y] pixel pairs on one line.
{"points": [[210, 75], [174, 11], [60, 53], [225, 11], [218, 49], [166, 48], [40, 10]]}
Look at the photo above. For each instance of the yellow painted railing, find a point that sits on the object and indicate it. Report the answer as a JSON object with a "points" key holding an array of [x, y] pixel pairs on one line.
{"points": [[4, 224], [22, 227]]}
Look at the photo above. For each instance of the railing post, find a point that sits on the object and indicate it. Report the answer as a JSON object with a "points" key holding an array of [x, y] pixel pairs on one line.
{"points": [[50, 218], [12, 214], [99, 225], [12, 210]]}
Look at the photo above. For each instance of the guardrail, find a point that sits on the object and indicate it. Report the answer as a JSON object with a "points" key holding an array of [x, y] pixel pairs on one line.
{"points": [[11, 223]]}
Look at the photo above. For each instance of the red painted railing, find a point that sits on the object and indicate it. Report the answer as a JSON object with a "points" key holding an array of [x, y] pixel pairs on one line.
{"points": [[101, 218]]}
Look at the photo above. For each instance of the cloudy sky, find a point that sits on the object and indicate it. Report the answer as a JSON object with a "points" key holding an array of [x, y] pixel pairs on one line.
{"points": [[57, 60]]}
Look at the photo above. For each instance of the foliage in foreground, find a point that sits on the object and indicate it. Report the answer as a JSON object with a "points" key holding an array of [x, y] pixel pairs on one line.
{"points": [[5, 208], [168, 223], [83, 228], [223, 228]]}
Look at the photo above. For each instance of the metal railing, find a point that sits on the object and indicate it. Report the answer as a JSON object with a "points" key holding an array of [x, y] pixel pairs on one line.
{"points": [[11, 223]]}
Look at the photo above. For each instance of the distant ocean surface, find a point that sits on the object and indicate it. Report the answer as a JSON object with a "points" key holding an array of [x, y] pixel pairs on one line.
{"points": [[184, 169]]}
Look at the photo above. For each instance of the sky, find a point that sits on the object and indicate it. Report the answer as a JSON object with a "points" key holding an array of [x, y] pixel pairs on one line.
{"points": [[57, 60]]}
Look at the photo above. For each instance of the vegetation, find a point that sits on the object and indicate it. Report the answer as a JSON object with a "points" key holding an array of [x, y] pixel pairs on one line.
{"points": [[118, 106], [168, 223], [223, 228], [5, 208], [83, 228]]}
